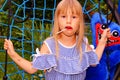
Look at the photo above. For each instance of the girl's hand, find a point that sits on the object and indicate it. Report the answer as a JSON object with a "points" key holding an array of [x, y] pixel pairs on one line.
{"points": [[8, 45], [106, 34]]}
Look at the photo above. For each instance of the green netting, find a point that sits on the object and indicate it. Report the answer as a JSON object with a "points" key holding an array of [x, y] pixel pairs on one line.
{"points": [[29, 34]]}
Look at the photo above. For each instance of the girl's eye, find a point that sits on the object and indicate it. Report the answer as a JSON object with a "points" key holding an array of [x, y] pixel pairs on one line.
{"points": [[63, 16], [73, 17]]}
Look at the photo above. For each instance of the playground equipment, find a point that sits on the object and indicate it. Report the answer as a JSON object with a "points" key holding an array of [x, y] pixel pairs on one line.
{"points": [[29, 22]]}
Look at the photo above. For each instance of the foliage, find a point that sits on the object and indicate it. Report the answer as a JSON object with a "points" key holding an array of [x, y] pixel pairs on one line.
{"points": [[29, 37]]}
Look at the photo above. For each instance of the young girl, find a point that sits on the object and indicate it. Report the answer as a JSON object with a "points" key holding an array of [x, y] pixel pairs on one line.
{"points": [[66, 54]]}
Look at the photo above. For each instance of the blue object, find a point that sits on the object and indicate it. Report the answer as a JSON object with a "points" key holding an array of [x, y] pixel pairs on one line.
{"points": [[106, 69], [67, 66]]}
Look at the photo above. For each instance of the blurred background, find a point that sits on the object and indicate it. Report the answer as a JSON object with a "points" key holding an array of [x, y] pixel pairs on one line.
{"points": [[28, 22]]}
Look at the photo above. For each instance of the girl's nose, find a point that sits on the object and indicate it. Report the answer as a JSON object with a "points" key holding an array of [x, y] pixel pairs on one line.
{"points": [[68, 21]]}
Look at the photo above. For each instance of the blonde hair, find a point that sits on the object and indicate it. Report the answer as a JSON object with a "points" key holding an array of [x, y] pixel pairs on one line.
{"points": [[76, 8]]}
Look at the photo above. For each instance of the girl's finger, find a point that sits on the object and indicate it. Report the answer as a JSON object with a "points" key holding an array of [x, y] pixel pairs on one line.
{"points": [[5, 46]]}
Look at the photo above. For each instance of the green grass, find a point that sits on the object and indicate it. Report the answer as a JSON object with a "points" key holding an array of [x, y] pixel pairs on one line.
{"points": [[13, 68]]}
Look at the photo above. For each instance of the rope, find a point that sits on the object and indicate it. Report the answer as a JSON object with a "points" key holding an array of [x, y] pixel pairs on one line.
{"points": [[6, 55], [33, 33], [106, 26], [119, 7], [9, 21], [28, 14], [112, 8]]}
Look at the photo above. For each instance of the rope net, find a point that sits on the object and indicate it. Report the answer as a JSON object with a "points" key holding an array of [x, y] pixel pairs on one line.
{"points": [[31, 21]]}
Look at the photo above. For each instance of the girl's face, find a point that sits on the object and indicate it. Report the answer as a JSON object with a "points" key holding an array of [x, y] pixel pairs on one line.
{"points": [[70, 22]]}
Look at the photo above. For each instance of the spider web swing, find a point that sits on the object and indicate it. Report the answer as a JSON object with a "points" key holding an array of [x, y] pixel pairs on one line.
{"points": [[31, 31]]}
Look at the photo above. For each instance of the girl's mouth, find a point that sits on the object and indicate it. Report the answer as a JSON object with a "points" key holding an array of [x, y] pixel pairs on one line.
{"points": [[68, 27]]}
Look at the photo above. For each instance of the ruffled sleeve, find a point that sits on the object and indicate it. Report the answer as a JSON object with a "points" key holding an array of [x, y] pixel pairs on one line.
{"points": [[43, 62], [74, 65], [90, 58]]}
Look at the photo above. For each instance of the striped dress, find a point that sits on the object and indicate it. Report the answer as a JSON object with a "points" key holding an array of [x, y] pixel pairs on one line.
{"points": [[68, 65]]}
